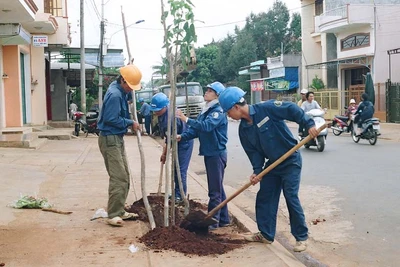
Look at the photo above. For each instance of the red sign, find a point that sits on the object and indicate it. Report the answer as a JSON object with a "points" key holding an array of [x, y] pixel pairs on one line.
{"points": [[257, 85]]}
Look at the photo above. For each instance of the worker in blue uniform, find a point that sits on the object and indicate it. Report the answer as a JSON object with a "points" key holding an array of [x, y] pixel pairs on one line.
{"points": [[160, 106], [146, 113], [265, 137], [211, 128], [114, 120]]}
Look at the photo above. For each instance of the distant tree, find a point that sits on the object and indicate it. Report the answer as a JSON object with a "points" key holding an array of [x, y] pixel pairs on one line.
{"points": [[277, 27], [205, 71], [225, 72], [293, 38], [161, 69], [256, 25], [243, 52]]}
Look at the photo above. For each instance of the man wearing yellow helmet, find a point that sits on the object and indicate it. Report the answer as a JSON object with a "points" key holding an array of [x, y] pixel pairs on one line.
{"points": [[113, 123]]}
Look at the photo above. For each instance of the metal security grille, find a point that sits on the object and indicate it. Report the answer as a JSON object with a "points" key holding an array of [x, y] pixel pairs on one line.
{"points": [[393, 100]]}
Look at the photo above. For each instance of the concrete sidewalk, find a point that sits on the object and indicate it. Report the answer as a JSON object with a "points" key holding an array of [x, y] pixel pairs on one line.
{"points": [[71, 174]]}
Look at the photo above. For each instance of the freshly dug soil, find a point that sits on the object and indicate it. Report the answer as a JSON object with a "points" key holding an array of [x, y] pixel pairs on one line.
{"points": [[177, 238], [181, 240], [157, 207]]}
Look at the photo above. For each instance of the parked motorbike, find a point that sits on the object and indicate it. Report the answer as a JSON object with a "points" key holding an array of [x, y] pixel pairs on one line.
{"points": [[87, 126], [318, 116], [369, 130], [341, 124]]}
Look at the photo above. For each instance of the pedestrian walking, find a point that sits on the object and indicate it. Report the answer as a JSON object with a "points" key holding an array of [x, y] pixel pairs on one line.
{"points": [[211, 127], [265, 137], [160, 106], [113, 124]]}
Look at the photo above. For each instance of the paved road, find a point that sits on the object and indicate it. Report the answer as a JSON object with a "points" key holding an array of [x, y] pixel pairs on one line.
{"points": [[355, 187]]}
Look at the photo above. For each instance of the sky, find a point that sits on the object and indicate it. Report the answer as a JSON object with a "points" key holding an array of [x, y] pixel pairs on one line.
{"points": [[215, 19]]}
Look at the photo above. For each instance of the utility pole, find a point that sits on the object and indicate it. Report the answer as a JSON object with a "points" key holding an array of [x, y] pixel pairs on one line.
{"points": [[83, 77], [126, 37], [101, 75]]}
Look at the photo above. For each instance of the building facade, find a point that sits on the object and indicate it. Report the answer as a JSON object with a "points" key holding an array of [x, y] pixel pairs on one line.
{"points": [[342, 41], [27, 29]]}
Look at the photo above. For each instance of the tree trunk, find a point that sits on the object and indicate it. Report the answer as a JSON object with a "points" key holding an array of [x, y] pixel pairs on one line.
{"points": [[167, 184], [139, 139]]}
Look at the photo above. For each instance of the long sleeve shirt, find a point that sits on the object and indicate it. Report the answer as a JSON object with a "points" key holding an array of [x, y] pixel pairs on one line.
{"points": [[211, 128], [145, 109], [114, 116], [268, 137]]}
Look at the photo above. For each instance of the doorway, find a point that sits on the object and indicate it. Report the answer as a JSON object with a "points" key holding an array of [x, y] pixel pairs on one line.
{"points": [[23, 93]]}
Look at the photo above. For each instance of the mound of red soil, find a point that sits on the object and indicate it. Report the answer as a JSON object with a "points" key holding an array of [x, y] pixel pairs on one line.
{"points": [[157, 207], [181, 240], [177, 238]]}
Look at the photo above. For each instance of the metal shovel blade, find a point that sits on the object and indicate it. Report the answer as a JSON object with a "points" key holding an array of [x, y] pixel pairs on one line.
{"points": [[198, 218]]}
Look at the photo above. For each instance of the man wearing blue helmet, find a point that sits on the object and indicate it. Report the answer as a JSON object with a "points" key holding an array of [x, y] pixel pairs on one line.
{"points": [[160, 106], [265, 137], [211, 128], [146, 114]]}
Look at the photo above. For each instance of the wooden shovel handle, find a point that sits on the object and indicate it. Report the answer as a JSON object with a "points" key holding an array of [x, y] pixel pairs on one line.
{"points": [[264, 172], [160, 179]]}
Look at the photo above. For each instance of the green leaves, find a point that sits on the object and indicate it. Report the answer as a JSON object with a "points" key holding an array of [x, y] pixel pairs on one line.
{"points": [[181, 34]]}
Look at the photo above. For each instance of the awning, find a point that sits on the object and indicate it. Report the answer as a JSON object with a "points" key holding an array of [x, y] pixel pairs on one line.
{"points": [[253, 68], [361, 60], [287, 80]]}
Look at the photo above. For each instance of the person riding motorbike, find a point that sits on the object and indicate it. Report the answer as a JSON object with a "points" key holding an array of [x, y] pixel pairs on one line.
{"points": [[308, 105], [352, 108], [303, 93], [364, 112]]}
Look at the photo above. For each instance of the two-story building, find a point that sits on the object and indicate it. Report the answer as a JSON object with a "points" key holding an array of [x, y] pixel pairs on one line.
{"points": [[27, 28], [342, 41]]}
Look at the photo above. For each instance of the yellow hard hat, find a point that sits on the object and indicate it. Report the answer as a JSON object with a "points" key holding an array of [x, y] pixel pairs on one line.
{"points": [[132, 75]]}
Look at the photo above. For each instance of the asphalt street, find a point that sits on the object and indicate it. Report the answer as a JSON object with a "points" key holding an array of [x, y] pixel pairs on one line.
{"points": [[354, 186]]}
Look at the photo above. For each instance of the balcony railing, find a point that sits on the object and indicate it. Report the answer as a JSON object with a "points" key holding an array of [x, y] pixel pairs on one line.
{"points": [[338, 13]]}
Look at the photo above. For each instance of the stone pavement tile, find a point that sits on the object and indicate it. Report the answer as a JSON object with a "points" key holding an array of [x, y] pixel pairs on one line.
{"points": [[250, 255]]}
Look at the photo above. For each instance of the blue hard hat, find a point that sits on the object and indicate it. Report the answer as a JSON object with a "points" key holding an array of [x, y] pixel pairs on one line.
{"points": [[158, 102], [141, 100], [217, 87], [230, 96]]}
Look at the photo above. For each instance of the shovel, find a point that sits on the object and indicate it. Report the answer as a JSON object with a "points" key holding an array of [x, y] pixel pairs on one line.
{"points": [[160, 179], [199, 219]]}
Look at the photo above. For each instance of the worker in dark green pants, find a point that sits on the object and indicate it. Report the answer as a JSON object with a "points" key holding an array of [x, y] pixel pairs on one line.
{"points": [[113, 123]]}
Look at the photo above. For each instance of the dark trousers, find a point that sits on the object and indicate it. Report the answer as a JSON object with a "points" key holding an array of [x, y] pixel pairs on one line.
{"points": [[147, 123], [184, 156], [285, 178], [215, 168]]}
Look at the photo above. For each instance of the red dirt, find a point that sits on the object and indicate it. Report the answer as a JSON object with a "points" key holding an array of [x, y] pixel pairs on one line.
{"points": [[179, 239], [157, 207]]}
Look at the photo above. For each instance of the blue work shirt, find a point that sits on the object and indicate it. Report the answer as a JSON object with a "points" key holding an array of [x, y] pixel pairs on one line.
{"points": [[114, 116], [211, 128], [129, 97], [268, 137], [145, 109], [180, 128]]}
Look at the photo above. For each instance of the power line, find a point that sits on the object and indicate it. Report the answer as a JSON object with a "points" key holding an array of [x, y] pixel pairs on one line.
{"points": [[203, 27], [95, 9]]}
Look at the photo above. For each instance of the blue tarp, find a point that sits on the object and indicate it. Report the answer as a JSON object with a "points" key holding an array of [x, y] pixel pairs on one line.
{"points": [[289, 82]]}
